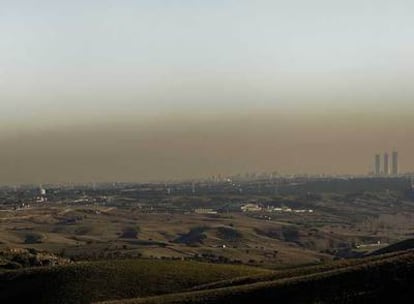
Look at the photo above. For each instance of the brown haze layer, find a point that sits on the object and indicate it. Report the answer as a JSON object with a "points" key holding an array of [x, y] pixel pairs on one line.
{"points": [[179, 146]]}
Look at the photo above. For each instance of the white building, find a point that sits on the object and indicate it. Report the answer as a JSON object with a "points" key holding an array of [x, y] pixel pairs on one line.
{"points": [[251, 208]]}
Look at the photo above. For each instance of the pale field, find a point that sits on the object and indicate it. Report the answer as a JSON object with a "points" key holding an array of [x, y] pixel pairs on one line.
{"points": [[284, 240]]}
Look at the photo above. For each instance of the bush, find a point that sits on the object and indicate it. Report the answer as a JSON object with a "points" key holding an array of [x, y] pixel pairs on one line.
{"points": [[290, 233], [130, 232]]}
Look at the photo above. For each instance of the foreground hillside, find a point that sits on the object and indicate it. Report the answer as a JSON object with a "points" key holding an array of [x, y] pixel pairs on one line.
{"points": [[400, 246], [374, 279], [98, 281], [377, 280]]}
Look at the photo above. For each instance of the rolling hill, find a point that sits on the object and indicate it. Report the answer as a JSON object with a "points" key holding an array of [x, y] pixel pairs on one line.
{"points": [[372, 280], [381, 278], [105, 280]]}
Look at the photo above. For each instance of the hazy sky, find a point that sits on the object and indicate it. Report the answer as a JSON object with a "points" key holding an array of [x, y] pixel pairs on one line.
{"points": [[143, 90]]}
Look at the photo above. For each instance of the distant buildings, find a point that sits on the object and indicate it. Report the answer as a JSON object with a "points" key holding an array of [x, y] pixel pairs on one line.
{"points": [[205, 211], [42, 191], [251, 208], [395, 169], [386, 169], [386, 164], [377, 165], [41, 197]]}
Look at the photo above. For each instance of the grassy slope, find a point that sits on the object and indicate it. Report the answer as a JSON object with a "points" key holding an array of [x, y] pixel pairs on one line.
{"points": [[295, 272], [109, 280], [403, 245], [380, 280]]}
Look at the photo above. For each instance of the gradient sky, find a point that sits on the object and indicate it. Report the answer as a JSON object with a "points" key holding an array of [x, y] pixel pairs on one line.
{"points": [[128, 90]]}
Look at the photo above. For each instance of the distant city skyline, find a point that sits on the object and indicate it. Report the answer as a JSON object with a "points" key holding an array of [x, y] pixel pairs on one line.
{"points": [[383, 168]]}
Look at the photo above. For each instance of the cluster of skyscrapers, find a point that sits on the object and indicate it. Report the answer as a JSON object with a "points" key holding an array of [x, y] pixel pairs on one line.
{"points": [[390, 167]]}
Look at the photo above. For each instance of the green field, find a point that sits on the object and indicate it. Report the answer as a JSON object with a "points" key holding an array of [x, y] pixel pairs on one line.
{"points": [[370, 279], [96, 281], [380, 280]]}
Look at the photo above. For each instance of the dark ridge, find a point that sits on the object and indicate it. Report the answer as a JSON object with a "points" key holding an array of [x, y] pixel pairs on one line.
{"points": [[387, 280], [400, 246]]}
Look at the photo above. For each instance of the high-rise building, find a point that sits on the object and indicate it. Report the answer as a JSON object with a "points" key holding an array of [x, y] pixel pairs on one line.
{"points": [[386, 164], [377, 167], [395, 165]]}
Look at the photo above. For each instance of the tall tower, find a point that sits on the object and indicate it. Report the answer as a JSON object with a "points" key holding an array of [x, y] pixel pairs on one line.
{"points": [[395, 169], [386, 164], [377, 166]]}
